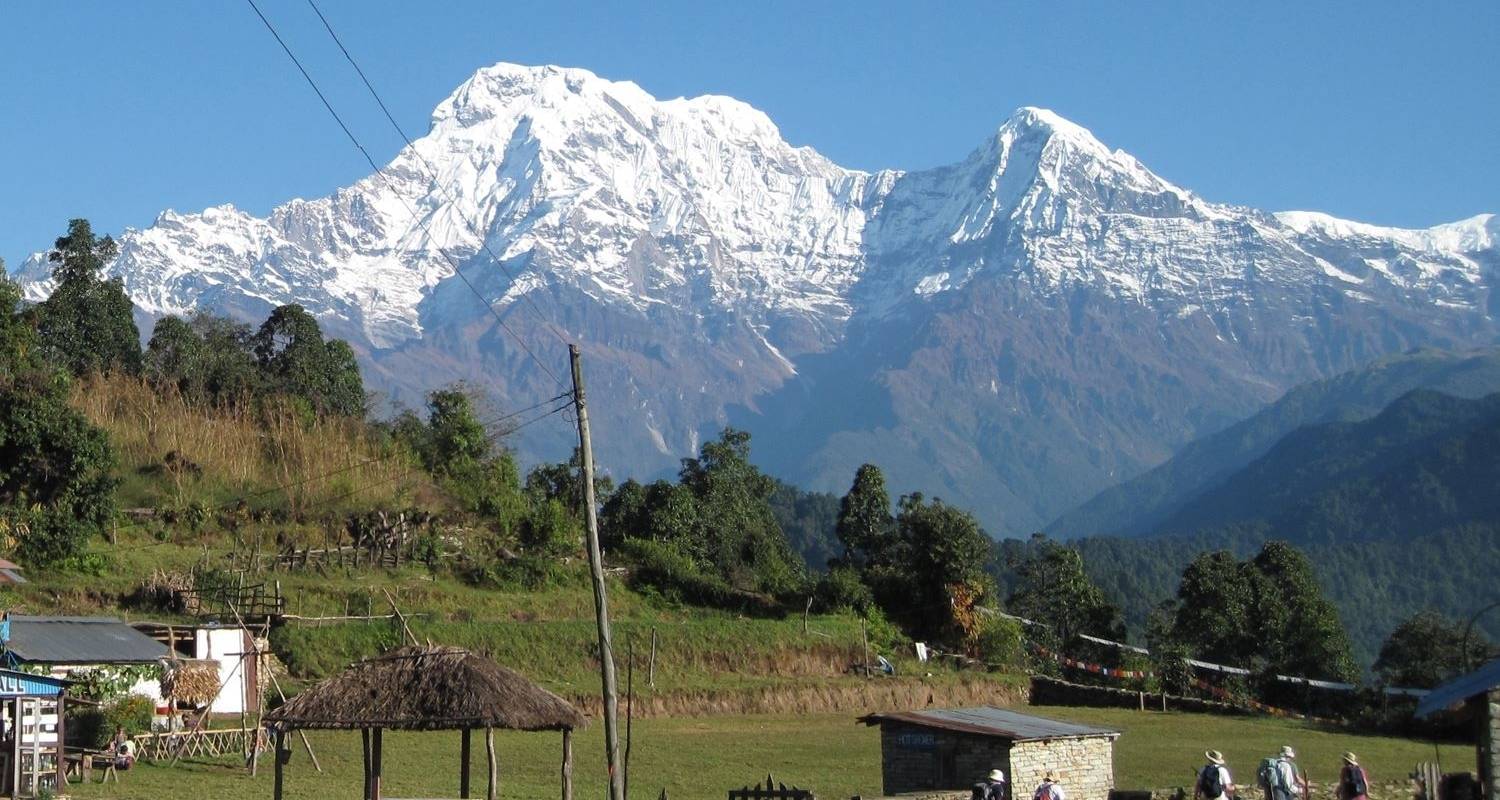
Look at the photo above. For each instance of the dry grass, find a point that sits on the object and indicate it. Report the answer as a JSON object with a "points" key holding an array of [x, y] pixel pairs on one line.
{"points": [[175, 452]]}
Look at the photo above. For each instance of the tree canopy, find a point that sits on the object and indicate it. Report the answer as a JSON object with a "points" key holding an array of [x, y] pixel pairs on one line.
{"points": [[87, 324]]}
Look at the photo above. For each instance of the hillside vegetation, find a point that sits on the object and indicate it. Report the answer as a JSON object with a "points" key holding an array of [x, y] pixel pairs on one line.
{"points": [[1398, 512]]}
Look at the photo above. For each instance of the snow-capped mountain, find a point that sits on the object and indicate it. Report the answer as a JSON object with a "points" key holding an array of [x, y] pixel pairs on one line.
{"points": [[1012, 332]]}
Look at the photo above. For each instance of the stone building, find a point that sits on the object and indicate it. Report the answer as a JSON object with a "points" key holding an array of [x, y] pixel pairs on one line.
{"points": [[1479, 693], [953, 749]]}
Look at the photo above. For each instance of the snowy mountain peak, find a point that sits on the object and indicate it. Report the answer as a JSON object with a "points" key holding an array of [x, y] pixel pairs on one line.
{"points": [[1479, 232]]}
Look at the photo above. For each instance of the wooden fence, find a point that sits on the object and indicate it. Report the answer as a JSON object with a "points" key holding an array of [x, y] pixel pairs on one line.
{"points": [[770, 790], [207, 743], [254, 602]]}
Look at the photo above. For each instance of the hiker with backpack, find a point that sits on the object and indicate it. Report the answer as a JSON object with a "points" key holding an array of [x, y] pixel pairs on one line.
{"points": [[1278, 776], [1214, 782], [1354, 782], [991, 788], [1049, 789]]}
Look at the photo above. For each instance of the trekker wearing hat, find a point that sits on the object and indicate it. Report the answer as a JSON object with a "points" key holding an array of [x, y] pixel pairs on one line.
{"points": [[1288, 784], [1354, 782], [1049, 789], [1214, 782], [991, 788]]}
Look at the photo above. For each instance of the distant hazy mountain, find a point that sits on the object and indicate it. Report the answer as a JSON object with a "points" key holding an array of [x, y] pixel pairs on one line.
{"points": [[1143, 504], [1013, 332], [1398, 512], [1427, 462]]}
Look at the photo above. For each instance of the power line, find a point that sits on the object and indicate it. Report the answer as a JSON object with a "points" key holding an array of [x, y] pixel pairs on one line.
{"points": [[432, 171], [416, 218]]}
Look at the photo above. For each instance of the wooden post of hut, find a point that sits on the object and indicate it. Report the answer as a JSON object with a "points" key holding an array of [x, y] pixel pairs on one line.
{"points": [[430, 689], [463, 761], [567, 765]]}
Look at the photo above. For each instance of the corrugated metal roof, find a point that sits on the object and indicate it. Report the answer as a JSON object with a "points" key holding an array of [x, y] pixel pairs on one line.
{"points": [[1459, 689], [79, 640], [990, 721]]}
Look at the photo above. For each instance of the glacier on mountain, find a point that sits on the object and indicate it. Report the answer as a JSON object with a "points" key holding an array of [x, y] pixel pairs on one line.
{"points": [[992, 328]]}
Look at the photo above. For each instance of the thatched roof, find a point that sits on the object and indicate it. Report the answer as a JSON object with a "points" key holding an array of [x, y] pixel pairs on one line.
{"points": [[427, 689], [194, 681]]}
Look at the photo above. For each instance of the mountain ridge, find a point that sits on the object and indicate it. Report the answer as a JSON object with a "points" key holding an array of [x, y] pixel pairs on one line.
{"points": [[991, 327]]}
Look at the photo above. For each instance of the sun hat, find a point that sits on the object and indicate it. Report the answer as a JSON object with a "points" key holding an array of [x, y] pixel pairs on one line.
{"points": [[1215, 756], [1351, 759], [1288, 752], [1050, 775], [997, 776]]}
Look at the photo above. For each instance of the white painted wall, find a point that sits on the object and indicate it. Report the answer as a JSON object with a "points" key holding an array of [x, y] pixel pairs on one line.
{"points": [[225, 645]]}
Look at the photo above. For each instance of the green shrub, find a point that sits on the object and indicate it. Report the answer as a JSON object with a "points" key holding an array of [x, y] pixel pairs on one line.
{"points": [[1000, 643], [842, 589], [94, 726]]}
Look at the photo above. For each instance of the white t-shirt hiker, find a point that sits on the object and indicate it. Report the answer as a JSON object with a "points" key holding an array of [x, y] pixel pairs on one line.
{"points": [[1226, 783]]}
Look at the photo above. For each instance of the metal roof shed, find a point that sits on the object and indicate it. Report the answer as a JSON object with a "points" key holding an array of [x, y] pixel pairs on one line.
{"points": [[76, 641], [1479, 692], [951, 749]]}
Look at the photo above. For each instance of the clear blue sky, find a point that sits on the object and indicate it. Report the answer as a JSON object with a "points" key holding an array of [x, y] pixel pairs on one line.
{"points": [[1385, 112]]}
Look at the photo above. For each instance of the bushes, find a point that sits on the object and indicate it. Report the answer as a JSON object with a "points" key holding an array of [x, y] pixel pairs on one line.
{"points": [[661, 567], [94, 726]]}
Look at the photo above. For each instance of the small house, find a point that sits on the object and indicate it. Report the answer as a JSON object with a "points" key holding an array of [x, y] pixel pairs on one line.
{"points": [[211, 667], [952, 749], [1478, 693], [65, 644]]}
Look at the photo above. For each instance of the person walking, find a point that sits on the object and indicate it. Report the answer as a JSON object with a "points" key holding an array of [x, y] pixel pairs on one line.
{"points": [[1288, 784], [1049, 789], [1354, 782], [991, 788], [1214, 781]]}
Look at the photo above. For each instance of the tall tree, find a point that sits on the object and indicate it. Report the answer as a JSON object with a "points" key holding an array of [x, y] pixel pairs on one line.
{"points": [[735, 525], [18, 342], [940, 562], [87, 324], [296, 361], [174, 356], [1053, 588], [1267, 613], [865, 525], [1427, 649]]}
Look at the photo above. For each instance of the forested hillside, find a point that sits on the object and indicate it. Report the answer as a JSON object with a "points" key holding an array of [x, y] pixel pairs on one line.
{"points": [[1398, 513], [1139, 505]]}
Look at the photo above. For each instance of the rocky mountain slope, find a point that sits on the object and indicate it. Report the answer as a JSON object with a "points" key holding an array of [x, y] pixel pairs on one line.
{"points": [[1013, 332]]}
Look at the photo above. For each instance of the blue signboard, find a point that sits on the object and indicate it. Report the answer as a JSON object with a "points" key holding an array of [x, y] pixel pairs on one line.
{"points": [[22, 684], [916, 741]]}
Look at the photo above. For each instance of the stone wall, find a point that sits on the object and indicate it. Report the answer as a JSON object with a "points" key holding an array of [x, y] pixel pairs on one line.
{"points": [[1085, 766], [1489, 745], [919, 759]]}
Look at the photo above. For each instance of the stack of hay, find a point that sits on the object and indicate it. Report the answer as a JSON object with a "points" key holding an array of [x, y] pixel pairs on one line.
{"points": [[191, 681]]}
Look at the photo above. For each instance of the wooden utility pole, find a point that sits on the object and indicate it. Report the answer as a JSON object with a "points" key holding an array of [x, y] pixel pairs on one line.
{"points": [[596, 569]]}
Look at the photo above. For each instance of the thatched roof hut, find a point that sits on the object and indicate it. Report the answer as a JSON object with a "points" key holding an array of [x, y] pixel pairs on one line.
{"points": [[427, 689]]}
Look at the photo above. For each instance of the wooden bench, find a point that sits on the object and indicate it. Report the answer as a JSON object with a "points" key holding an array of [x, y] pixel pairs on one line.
{"points": [[82, 763]]}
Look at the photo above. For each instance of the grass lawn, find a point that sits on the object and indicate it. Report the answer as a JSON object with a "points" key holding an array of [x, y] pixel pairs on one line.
{"points": [[704, 757]]}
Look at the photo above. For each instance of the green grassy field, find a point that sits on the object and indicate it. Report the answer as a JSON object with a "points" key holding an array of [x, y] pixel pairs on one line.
{"points": [[703, 758]]}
